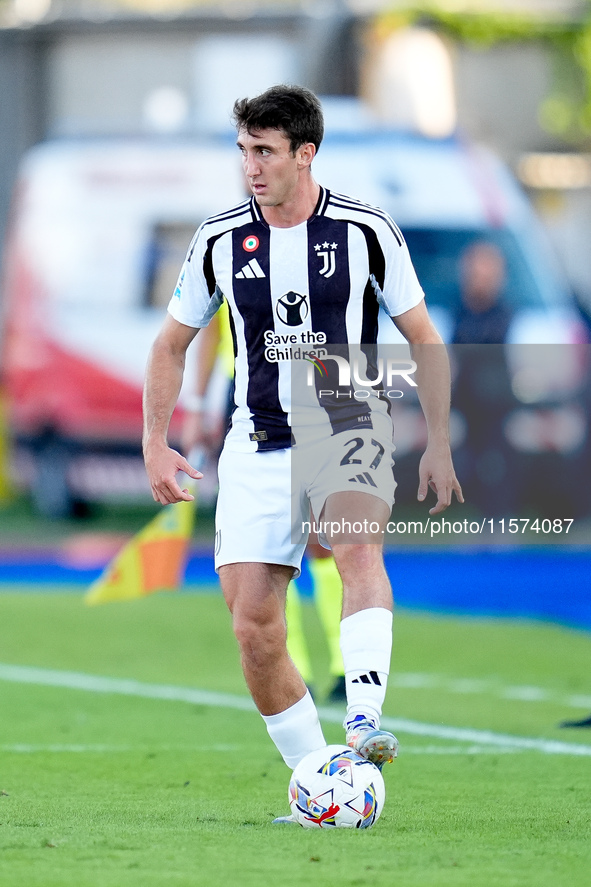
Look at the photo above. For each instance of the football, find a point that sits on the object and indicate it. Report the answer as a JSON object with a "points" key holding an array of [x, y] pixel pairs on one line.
{"points": [[334, 787]]}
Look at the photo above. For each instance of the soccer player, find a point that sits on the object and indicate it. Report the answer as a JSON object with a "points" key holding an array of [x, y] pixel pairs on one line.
{"points": [[302, 264]]}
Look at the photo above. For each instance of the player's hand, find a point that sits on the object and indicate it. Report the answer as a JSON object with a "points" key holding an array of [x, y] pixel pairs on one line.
{"points": [[162, 465], [436, 472]]}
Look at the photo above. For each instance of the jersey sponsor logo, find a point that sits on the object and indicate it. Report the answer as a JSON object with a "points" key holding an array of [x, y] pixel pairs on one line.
{"points": [[250, 243], [258, 435], [326, 252], [250, 270], [287, 346], [292, 308]]}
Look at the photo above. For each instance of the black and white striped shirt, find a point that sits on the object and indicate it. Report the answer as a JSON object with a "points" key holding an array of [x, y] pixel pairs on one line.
{"points": [[289, 291]]}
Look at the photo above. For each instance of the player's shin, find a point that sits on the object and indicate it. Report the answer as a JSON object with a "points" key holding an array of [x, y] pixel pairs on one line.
{"points": [[366, 642], [366, 645]]}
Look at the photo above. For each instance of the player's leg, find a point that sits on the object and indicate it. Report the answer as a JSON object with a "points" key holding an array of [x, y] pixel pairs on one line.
{"points": [[256, 558], [353, 492], [366, 627], [255, 594]]}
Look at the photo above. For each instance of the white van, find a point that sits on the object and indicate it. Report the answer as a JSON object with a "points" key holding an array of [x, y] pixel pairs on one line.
{"points": [[99, 231]]}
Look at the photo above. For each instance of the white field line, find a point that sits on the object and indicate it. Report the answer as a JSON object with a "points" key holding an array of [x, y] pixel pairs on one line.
{"points": [[127, 687], [522, 693]]}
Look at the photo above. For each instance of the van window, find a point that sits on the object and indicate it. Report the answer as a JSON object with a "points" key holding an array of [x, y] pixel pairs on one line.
{"points": [[165, 252], [436, 255]]}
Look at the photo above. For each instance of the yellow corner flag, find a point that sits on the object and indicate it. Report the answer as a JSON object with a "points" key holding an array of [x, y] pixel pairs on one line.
{"points": [[154, 560]]}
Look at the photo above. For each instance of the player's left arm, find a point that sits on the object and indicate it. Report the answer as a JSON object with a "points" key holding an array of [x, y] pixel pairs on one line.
{"points": [[433, 385]]}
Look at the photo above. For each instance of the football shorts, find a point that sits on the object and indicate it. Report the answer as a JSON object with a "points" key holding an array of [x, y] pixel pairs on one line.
{"points": [[253, 514], [359, 461], [268, 500]]}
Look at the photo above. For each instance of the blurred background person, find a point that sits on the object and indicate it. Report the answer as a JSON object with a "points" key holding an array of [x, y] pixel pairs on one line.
{"points": [[482, 387], [484, 316]]}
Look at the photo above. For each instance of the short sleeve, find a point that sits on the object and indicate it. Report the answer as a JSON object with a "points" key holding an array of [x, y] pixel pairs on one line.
{"points": [[195, 299], [401, 290]]}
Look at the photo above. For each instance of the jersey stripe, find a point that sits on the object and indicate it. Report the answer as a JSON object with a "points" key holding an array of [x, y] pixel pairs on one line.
{"points": [[223, 219], [229, 213], [208, 271], [255, 211], [253, 301], [331, 307], [370, 211], [376, 209]]}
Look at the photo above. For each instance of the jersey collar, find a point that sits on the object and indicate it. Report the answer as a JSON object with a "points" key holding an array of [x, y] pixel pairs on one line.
{"points": [[319, 209]]}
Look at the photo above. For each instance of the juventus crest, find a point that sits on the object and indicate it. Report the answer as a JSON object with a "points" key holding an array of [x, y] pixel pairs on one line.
{"points": [[326, 252]]}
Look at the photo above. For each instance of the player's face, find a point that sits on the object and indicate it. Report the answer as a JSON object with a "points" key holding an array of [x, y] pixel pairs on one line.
{"points": [[271, 169]]}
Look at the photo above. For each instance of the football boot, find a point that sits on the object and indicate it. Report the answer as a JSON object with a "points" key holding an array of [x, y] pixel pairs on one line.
{"points": [[375, 745]]}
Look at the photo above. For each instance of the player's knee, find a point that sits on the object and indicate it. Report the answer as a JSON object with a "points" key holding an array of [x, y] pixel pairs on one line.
{"points": [[259, 636], [358, 560]]}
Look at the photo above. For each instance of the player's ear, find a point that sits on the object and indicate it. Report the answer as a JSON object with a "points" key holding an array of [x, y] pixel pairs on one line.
{"points": [[306, 154]]}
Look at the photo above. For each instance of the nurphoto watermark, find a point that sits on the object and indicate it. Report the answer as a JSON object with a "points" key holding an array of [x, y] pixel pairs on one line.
{"points": [[520, 438]]}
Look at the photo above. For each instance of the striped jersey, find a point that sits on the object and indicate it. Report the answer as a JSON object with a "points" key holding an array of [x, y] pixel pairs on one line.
{"points": [[293, 294]]}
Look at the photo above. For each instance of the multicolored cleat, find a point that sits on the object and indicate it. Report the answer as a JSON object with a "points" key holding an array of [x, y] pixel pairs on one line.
{"points": [[373, 744]]}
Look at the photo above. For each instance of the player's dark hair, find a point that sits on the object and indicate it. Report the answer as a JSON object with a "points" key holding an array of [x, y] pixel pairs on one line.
{"points": [[293, 109]]}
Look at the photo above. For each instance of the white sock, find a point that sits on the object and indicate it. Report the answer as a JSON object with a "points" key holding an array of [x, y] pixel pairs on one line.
{"points": [[366, 645], [296, 731]]}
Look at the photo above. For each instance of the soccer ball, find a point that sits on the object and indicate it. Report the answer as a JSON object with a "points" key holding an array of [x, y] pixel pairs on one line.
{"points": [[334, 787]]}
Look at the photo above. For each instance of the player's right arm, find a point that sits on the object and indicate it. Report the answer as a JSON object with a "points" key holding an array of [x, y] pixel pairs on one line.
{"points": [[164, 376], [433, 380], [403, 298]]}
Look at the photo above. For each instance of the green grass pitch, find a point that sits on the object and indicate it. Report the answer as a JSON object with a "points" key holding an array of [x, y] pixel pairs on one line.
{"points": [[100, 789]]}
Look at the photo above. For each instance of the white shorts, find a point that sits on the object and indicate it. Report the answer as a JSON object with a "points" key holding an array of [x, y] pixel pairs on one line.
{"points": [[265, 498], [253, 515], [359, 461]]}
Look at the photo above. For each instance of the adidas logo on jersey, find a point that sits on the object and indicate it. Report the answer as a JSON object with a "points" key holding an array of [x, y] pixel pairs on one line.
{"points": [[252, 269]]}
